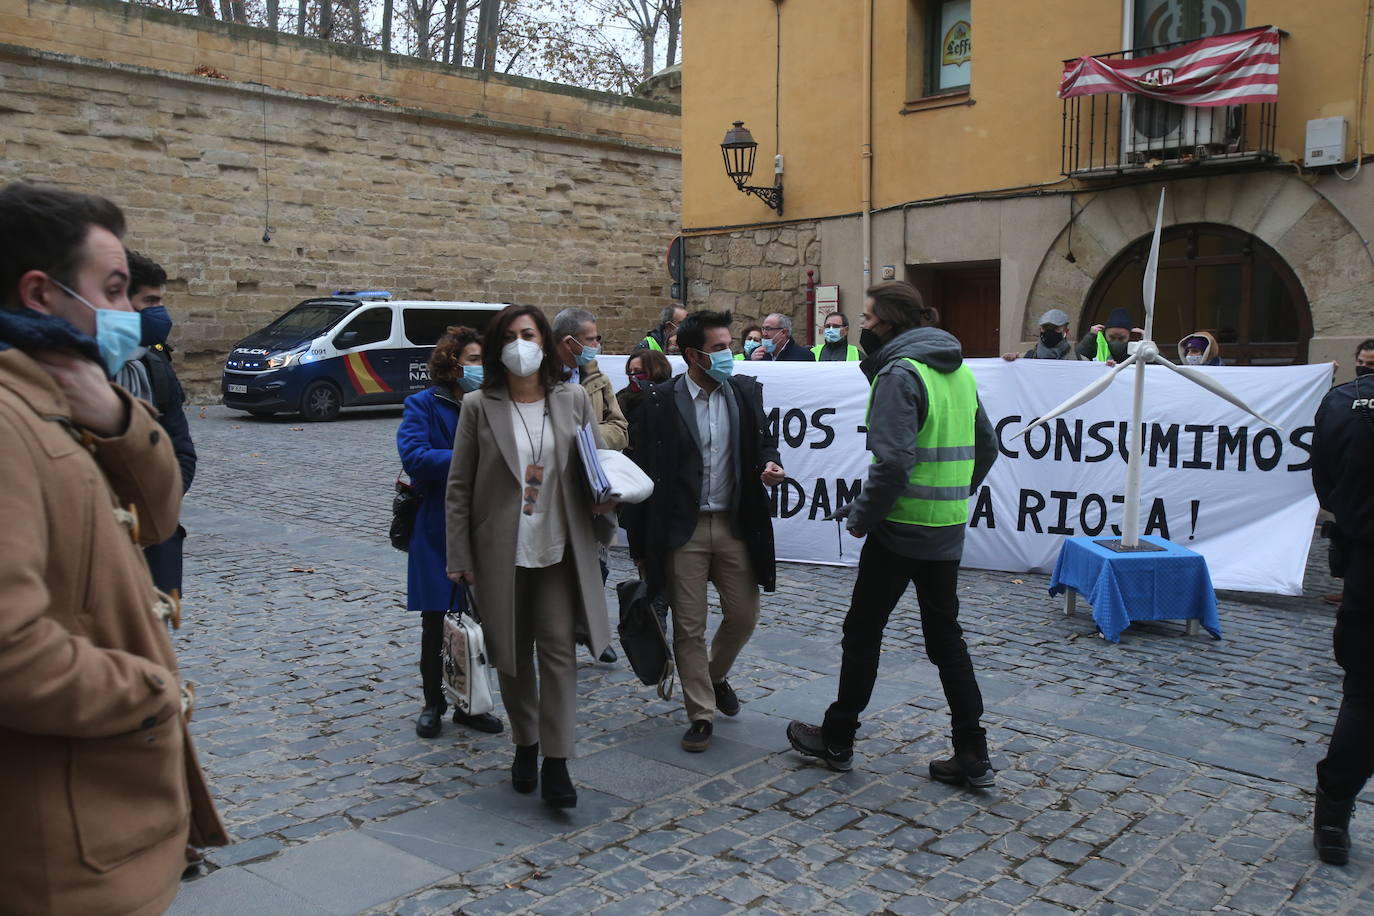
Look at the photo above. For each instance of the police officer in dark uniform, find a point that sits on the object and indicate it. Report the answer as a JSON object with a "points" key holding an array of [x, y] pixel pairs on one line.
{"points": [[1342, 455]]}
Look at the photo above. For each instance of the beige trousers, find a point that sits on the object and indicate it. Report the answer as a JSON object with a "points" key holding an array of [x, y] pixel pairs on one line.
{"points": [[544, 710], [712, 554]]}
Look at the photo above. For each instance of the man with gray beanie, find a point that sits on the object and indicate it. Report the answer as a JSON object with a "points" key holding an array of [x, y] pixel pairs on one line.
{"points": [[1054, 342]]}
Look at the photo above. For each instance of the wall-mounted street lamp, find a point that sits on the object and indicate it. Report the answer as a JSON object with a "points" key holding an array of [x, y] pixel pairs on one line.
{"points": [[738, 149]]}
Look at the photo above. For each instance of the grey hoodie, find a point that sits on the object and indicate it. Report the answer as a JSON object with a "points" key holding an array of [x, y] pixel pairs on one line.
{"points": [[896, 413]]}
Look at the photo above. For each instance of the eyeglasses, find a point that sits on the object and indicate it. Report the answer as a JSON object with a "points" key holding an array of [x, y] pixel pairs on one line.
{"points": [[767, 330]]}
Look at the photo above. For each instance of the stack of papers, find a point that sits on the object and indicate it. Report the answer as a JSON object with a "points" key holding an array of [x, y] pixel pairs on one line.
{"points": [[591, 464]]}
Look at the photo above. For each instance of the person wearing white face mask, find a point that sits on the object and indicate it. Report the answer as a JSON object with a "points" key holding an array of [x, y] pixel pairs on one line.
{"points": [[523, 532], [92, 707], [425, 443], [1199, 349]]}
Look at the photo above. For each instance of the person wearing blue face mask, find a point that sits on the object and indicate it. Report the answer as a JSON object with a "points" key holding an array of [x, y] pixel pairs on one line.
{"points": [[778, 344], [425, 443], [703, 438], [752, 338], [148, 374], [837, 347], [92, 706]]}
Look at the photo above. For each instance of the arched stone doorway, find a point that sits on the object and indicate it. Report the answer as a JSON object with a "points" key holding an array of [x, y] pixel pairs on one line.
{"points": [[1212, 278]]}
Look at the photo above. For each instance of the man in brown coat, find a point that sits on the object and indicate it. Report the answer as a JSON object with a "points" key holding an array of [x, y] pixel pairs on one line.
{"points": [[99, 785]]}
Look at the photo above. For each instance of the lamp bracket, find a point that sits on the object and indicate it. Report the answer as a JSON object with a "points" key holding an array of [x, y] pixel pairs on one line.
{"points": [[772, 196]]}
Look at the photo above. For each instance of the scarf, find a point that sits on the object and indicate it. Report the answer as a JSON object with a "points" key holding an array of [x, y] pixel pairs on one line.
{"points": [[30, 332]]}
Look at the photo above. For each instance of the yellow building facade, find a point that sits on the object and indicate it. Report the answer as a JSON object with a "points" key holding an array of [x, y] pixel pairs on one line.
{"points": [[924, 140]]}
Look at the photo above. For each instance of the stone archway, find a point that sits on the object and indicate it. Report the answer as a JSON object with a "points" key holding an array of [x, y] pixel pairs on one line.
{"points": [[1325, 252]]}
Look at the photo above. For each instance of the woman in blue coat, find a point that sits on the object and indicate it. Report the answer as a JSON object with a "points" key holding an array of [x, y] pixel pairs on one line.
{"points": [[425, 442]]}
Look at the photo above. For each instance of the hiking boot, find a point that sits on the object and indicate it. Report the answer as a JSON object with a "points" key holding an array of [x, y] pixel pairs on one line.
{"points": [[964, 769], [698, 737], [727, 703], [1331, 828], [808, 740]]}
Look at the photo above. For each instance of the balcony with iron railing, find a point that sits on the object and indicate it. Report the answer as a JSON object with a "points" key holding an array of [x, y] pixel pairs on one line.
{"points": [[1109, 135]]}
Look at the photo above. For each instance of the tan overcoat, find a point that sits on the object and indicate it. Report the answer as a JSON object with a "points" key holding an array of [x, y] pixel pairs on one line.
{"points": [[99, 786], [483, 512]]}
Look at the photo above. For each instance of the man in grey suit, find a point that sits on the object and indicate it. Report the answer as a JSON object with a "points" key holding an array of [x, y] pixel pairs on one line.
{"points": [[703, 438]]}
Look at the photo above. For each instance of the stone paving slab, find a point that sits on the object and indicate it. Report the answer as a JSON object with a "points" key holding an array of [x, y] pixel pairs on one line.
{"points": [[1166, 774]]}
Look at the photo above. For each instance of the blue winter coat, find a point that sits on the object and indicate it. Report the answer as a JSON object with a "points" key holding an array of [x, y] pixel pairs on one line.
{"points": [[425, 442]]}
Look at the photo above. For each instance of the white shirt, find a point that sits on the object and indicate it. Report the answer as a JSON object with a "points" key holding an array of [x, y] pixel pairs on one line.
{"points": [[713, 426], [542, 535]]}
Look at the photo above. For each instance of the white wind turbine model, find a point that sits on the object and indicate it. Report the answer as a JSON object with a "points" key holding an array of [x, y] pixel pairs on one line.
{"points": [[1146, 352]]}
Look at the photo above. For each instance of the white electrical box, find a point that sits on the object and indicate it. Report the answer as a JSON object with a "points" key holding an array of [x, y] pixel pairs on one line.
{"points": [[1325, 142]]}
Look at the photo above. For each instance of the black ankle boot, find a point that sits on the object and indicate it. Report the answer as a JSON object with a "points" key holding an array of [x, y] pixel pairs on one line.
{"points": [[557, 786], [524, 772], [1331, 828]]}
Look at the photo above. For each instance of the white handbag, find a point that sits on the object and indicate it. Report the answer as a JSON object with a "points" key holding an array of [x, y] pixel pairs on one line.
{"points": [[629, 484], [463, 650]]}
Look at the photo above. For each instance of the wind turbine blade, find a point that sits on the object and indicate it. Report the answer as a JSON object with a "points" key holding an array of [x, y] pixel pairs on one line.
{"points": [[1220, 390], [1082, 397], [1147, 290]]}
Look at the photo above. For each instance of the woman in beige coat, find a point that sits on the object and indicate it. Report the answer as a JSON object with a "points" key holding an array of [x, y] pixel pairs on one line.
{"points": [[522, 530]]}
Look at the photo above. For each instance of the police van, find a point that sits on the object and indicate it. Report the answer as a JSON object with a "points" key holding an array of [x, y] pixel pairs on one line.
{"points": [[350, 349]]}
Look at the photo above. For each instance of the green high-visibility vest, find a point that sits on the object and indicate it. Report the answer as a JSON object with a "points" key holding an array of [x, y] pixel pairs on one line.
{"points": [[851, 355], [938, 488], [651, 344]]}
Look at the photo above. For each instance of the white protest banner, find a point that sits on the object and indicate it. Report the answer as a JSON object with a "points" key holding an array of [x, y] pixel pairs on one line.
{"points": [[1215, 480]]}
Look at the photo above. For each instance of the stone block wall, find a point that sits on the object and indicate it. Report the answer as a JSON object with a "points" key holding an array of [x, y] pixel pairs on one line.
{"points": [[754, 272], [426, 204]]}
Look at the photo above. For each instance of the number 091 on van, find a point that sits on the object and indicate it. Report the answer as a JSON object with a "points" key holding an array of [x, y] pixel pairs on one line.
{"points": [[345, 350]]}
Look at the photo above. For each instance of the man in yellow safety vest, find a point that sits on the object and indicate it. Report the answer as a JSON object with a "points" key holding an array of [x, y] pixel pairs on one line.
{"points": [[668, 320], [932, 445]]}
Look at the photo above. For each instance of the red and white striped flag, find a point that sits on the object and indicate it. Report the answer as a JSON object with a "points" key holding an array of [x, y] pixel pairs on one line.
{"points": [[1230, 69]]}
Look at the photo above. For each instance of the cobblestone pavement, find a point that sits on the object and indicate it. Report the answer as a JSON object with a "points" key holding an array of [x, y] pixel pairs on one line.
{"points": [[1167, 774]]}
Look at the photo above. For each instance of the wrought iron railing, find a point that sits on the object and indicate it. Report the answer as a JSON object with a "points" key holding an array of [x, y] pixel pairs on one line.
{"points": [[1115, 134]]}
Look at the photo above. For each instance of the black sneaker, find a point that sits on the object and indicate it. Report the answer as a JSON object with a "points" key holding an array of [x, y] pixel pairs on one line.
{"points": [[698, 737], [483, 722], [608, 656], [430, 722], [1331, 829], [727, 703], [807, 739], [964, 770]]}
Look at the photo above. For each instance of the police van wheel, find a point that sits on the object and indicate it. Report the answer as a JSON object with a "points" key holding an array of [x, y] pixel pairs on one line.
{"points": [[320, 402]]}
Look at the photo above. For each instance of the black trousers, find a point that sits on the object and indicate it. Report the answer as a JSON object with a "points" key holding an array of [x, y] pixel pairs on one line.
{"points": [[883, 577], [431, 665], [1349, 760]]}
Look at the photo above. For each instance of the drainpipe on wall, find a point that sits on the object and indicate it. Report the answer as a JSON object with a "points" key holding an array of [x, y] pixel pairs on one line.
{"points": [[866, 153]]}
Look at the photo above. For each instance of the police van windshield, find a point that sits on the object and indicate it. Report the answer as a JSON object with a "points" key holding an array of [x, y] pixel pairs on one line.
{"points": [[310, 319]]}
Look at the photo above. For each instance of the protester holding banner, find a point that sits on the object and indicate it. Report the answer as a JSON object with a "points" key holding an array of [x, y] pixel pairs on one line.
{"points": [[1106, 343], [703, 438], [837, 347], [1054, 342], [932, 445], [1342, 454]]}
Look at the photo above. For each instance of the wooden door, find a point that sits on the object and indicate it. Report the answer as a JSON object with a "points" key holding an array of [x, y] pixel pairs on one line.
{"points": [[970, 304]]}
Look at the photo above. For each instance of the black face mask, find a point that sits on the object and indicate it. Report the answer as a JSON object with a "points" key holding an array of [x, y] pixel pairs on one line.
{"points": [[1051, 339], [870, 341], [1117, 349], [1363, 370]]}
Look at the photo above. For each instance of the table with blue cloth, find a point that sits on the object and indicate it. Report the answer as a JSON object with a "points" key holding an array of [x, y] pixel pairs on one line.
{"points": [[1169, 584]]}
